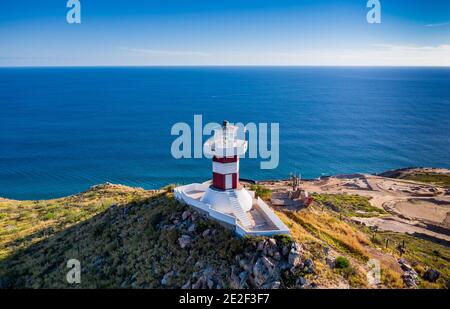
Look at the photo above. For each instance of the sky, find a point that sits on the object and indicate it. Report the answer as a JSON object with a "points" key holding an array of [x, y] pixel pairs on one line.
{"points": [[225, 32]]}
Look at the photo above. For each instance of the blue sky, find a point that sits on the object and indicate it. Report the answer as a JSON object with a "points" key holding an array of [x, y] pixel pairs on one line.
{"points": [[224, 32]]}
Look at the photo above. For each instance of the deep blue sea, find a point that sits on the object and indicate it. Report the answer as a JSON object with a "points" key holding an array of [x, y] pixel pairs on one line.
{"points": [[65, 129]]}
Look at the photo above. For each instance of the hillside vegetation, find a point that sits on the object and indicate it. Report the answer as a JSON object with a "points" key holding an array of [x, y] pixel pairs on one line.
{"points": [[132, 238], [425, 175]]}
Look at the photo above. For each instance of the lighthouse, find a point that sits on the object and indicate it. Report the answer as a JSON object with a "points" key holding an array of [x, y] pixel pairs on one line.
{"points": [[225, 149], [222, 197], [225, 194]]}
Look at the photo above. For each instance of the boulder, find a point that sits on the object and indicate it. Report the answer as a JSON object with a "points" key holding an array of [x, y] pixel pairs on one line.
{"points": [[260, 246], [234, 281], [187, 285], [431, 275], [244, 264], [243, 276], [294, 258], [277, 256], [198, 265], [191, 228], [308, 266], [272, 285], [411, 279], [185, 241], [285, 250], [206, 233], [167, 278], [200, 284], [260, 273], [210, 284], [404, 265], [300, 282], [269, 264], [330, 261], [410, 276], [185, 215]]}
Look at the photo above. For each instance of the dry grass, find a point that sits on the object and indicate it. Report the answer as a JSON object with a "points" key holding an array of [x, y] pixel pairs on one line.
{"points": [[23, 223], [333, 231]]}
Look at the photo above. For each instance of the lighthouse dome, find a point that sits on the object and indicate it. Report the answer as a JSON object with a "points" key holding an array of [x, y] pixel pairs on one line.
{"points": [[228, 201]]}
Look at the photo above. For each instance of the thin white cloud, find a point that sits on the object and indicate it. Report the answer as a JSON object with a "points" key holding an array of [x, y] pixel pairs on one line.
{"points": [[413, 48], [160, 52], [375, 55], [438, 24]]}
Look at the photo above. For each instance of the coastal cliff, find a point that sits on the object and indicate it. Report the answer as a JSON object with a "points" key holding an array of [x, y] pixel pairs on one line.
{"points": [[134, 238]]}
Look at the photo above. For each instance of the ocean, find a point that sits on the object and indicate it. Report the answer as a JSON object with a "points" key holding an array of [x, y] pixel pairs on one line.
{"points": [[63, 130]]}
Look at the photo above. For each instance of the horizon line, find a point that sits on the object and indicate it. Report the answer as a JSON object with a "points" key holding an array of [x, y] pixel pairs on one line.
{"points": [[222, 65]]}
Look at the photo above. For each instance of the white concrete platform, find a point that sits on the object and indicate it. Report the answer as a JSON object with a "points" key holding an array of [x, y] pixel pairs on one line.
{"points": [[237, 208]]}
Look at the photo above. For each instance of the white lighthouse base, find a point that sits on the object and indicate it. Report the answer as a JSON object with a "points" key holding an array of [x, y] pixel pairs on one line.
{"points": [[233, 201], [222, 200], [236, 208]]}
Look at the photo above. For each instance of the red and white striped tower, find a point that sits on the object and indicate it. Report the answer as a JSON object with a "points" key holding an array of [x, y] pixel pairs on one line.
{"points": [[225, 150], [225, 172], [225, 195]]}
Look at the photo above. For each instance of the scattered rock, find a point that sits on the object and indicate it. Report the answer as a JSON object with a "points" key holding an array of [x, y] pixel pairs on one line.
{"points": [[210, 284], [330, 261], [200, 284], [198, 265], [300, 282], [410, 276], [243, 276], [185, 241], [234, 281], [404, 265], [187, 285], [431, 275], [308, 266], [191, 228], [166, 278], [206, 233], [260, 246], [270, 266], [185, 215], [294, 258], [259, 272], [272, 285], [277, 256]]}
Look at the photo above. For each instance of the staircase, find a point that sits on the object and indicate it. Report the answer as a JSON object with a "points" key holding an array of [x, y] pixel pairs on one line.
{"points": [[237, 210]]}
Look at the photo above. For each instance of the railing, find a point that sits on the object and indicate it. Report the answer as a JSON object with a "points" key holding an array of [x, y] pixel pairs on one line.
{"points": [[181, 194]]}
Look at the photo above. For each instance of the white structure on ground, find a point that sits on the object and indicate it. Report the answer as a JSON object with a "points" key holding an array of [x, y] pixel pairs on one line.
{"points": [[224, 199]]}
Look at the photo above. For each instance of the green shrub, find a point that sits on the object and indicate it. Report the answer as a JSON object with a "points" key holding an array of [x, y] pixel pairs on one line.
{"points": [[261, 191], [341, 262], [169, 188], [285, 240]]}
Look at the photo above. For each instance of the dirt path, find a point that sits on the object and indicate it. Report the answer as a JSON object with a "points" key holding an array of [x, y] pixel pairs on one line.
{"points": [[412, 206]]}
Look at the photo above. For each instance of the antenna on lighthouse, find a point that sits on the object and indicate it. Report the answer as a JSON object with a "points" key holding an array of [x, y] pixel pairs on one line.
{"points": [[224, 130]]}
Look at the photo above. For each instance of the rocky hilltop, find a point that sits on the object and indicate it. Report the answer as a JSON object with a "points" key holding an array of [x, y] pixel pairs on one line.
{"points": [[133, 238]]}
